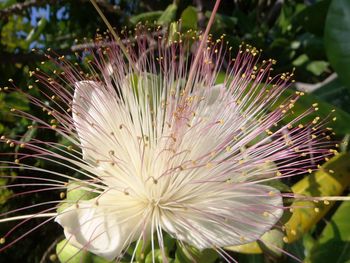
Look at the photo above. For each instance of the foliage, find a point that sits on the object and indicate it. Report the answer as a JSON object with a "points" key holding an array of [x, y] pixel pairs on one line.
{"points": [[309, 37]]}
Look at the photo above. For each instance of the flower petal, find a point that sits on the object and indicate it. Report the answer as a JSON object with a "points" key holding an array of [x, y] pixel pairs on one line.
{"points": [[101, 228], [87, 97], [232, 218]]}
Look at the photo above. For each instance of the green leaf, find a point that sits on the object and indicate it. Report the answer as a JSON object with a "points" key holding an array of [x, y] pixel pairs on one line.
{"points": [[334, 242], [320, 183], [317, 67], [334, 92], [78, 191], [5, 194], [35, 33], [313, 17], [302, 59], [168, 15], [189, 18], [68, 253], [157, 255], [188, 254], [337, 38], [271, 243], [98, 259], [342, 119], [330, 180], [146, 17]]}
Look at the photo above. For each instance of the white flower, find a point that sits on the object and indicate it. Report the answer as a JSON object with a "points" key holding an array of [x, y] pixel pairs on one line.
{"points": [[167, 168], [165, 149]]}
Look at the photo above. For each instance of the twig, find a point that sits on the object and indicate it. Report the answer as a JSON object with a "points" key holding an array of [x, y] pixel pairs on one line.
{"points": [[7, 57], [19, 8], [307, 87]]}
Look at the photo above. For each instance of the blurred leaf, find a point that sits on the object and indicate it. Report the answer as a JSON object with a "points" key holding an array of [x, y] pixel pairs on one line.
{"points": [[314, 16], [5, 194], [321, 183], [330, 180], [6, 3], [189, 18], [253, 258], [142, 250], [13, 33], [313, 46], [337, 38], [146, 17], [334, 242], [300, 248], [188, 254], [334, 92], [157, 255], [271, 243], [222, 23], [98, 259], [317, 67], [35, 33], [168, 15], [341, 125], [302, 59]]}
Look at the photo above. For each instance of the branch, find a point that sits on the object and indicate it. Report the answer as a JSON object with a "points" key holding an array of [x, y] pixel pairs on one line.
{"points": [[307, 87], [7, 57], [19, 8]]}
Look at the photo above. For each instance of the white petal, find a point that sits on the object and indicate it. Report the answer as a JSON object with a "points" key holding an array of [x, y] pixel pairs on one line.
{"points": [[101, 229], [226, 220], [88, 108]]}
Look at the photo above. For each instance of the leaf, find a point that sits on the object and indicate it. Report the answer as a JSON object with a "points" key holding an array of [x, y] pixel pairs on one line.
{"points": [[313, 17], [188, 254], [330, 180], [146, 17], [68, 253], [5, 194], [156, 254], [189, 18], [337, 38], [342, 119], [35, 33], [320, 183], [317, 67], [271, 243], [334, 242], [302, 59], [76, 191], [168, 15], [334, 92]]}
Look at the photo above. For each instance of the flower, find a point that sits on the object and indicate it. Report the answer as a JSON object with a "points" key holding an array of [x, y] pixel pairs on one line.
{"points": [[167, 161], [165, 148]]}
